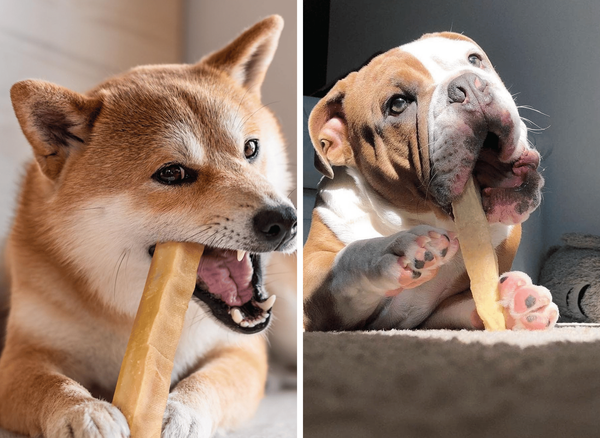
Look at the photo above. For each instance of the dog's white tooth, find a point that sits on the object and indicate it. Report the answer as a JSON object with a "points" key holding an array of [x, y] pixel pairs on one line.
{"points": [[244, 323], [236, 315], [266, 305], [240, 255]]}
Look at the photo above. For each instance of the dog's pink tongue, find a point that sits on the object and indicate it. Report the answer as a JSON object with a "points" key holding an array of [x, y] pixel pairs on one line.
{"points": [[227, 277]]}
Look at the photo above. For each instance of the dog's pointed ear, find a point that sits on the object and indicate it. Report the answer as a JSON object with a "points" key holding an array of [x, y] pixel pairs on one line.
{"points": [[55, 120], [247, 58], [328, 130]]}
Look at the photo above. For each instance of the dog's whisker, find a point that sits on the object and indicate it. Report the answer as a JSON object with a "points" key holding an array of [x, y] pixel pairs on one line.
{"points": [[91, 208], [239, 125], [530, 108], [198, 318], [118, 269], [260, 108], [202, 229], [199, 233], [525, 119]]}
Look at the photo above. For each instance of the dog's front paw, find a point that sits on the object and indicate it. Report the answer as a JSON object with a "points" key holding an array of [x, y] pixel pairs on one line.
{"points": [[526, 306], [421, 251], [93, 419], [182, 421]]}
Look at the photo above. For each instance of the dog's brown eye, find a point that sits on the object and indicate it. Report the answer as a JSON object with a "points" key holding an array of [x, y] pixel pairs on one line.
{"points": [[251, 149], [173, 174], [475, 60], [397, 105]]}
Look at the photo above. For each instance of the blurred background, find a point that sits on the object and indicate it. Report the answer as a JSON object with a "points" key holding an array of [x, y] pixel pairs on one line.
{"points": [[77, 44], [546, 52]]}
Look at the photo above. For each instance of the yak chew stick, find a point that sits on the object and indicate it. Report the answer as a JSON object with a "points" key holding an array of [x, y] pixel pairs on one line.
{"points": [[145, 377], [479, 256]]}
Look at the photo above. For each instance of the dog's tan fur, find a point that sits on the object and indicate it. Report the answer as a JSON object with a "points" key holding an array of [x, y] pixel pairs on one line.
{"points": [[89, 189]]}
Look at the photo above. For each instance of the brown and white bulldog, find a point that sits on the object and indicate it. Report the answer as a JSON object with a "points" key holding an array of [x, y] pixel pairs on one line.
{"points": [[397, 141]]}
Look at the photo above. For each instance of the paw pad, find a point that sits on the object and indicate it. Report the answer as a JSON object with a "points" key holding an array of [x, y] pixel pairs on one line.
{"points": [[424, 256], [526, 306]]}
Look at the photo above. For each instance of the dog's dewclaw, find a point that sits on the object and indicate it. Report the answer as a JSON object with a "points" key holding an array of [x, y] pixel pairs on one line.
{"points": [[145, 376], [479, 256]]}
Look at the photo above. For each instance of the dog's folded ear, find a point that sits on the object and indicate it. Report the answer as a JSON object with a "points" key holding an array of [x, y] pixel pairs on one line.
{"points": [[247, 58], [328, 130], [55, 120]]}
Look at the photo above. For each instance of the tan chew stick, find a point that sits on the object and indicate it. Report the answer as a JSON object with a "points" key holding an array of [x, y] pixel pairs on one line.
{"points": [[479, 256], [145, 376]]}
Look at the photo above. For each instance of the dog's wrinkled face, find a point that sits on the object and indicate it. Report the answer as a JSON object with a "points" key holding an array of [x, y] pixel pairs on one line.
{"points": [[418, 120], [169, 153]]}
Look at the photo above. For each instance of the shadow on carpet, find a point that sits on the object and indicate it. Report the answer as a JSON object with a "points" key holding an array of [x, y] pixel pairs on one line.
{"points": [[452, 384]]}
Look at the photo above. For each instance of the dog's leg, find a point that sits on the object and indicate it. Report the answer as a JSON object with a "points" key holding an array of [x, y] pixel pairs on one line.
{"points": [[225, 391], [455, 312], [36, 398], [367, 271]]}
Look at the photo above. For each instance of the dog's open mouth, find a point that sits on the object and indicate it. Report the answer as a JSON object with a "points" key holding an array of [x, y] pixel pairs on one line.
{"points": [[509, 190], [229, 283]]}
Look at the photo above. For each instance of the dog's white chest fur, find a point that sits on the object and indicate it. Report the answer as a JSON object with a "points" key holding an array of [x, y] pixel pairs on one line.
{"points": [[353, 211]]}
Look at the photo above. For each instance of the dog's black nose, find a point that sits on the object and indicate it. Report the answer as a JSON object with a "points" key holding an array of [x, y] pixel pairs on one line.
{"points": [[277, 223], [466, 87]]}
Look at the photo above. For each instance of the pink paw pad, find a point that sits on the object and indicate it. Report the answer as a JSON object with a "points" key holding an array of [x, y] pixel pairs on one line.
{"points": [[526, 306], [423, 260]]}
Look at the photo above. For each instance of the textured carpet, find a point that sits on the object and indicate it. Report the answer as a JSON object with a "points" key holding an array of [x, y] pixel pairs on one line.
{"points": [[453, 384]]}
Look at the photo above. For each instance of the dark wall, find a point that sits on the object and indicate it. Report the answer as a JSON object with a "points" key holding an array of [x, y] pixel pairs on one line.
{"points": [[316, 35]]}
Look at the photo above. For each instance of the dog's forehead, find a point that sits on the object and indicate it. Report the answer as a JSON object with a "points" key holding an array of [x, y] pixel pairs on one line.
{"points": [[190, 115], [442, 56]]}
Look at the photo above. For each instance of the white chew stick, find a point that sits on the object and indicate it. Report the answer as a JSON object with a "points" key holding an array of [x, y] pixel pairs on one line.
{"points": [[479, 256], [143, 385]]}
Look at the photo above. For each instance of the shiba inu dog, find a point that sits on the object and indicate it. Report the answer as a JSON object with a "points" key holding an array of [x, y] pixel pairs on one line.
{"points": [[161, 152]]}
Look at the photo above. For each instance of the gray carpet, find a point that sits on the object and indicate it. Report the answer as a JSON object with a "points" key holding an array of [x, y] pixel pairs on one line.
{"points": [[452, 384]]}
